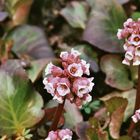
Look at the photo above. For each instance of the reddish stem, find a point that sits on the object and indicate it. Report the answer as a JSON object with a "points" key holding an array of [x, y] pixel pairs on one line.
{"points": [[137, 104], [57, 116]]}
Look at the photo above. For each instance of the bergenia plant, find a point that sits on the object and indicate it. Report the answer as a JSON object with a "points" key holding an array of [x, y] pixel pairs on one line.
{"points": [[68, 83], [131, 34]]}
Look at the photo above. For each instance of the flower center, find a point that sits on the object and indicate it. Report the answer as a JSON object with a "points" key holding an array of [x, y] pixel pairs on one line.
{"points": [[136, 39], [73, 70], [64, 87]]}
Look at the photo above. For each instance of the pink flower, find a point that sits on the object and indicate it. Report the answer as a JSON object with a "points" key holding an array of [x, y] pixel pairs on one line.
{"points": [[82, 86], [72, 57], [134, 39], [57, 87], [85, 67], [136, 116], [137, 51], [54, 70], [63, 87], [128, 22], [52, 136], [64, 134], [75, 70], [131, 33], [119, 34], [68, 83]]}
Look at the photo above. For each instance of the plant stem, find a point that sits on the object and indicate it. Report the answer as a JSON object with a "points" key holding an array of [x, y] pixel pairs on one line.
{"points": [[137, 104], [57, 116]]}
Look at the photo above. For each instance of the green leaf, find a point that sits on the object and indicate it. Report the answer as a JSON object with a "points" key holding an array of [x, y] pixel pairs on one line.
{"points": [[106, 18], [20, 105], [37, 66], [75, 14], [30, 41], [72, 115], [117, 75], [135, 15]]}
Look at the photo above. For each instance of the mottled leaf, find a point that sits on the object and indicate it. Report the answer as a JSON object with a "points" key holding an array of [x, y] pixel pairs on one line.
{"points": [[30, 41], [106, 17], [37, 67], [130, 95], [20, 104], [75, 14], [115, 106], [117, 75], [72, 115], [89, 55]]}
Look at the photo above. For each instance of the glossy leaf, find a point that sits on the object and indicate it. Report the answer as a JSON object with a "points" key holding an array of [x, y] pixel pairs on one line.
{"points": [[75, 14], [106, 18], [117, 75], [20, 104], [30, 41]]}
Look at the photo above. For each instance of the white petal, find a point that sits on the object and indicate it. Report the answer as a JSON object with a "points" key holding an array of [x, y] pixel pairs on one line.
{"points": [[50, 89], [48, 68], [61, 90], [67, 137], [75, 52], [134, 118], [59, 99], [63, 54], [129, 55], [82, 90], [126, 62], [78, 70]]}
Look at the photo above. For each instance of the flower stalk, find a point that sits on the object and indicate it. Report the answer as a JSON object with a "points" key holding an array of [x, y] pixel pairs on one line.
{"points": [[57, 116], [137, 104]]}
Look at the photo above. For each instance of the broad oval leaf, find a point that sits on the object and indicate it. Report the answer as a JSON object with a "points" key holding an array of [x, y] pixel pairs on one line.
{"points": [[75, 14], [20, 105], [106, 17], [37, 67], [30, 41], [117, 75], [72, 116], [116, 105], [130, 95]]}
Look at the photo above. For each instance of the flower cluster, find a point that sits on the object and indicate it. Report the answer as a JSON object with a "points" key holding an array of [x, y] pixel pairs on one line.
{"points": [[69, 82], [136, 116], [131, 34], [64, 134]]}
